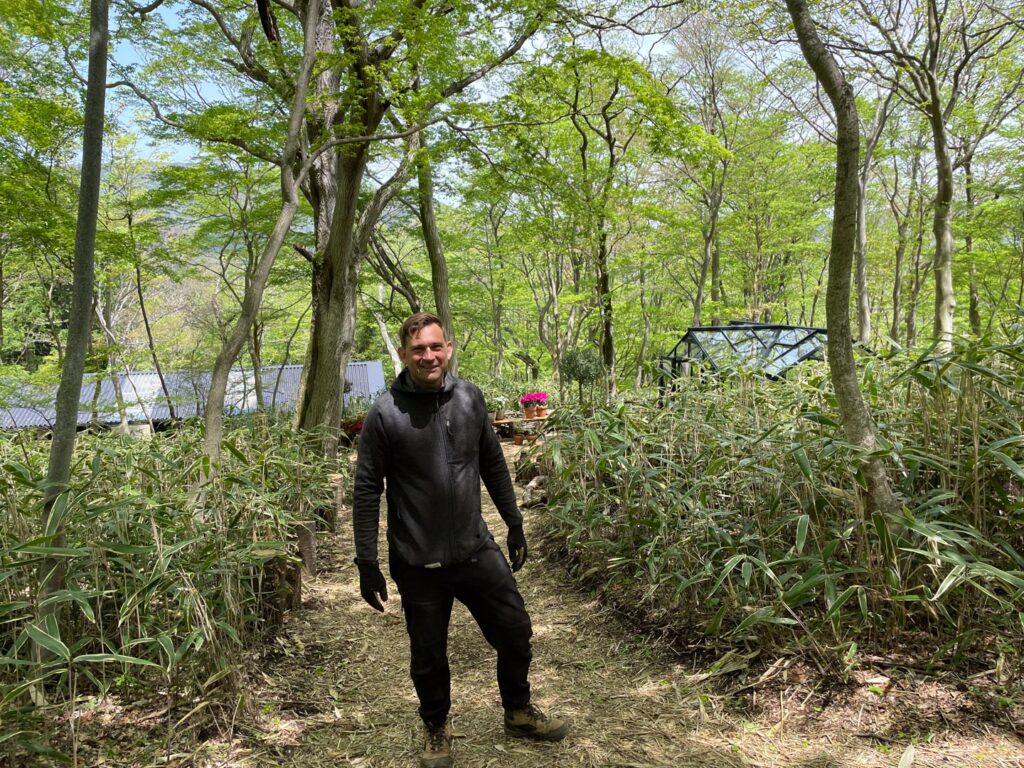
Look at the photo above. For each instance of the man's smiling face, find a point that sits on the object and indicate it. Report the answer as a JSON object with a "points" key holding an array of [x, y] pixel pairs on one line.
{"points": [[426, 355]]}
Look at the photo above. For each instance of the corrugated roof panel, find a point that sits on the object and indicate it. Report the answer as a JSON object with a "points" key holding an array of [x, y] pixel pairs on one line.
{"points": [[143, 398]]}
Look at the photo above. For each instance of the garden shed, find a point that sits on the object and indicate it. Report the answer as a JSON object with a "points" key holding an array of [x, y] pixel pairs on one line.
{"points": [[766, 348]]}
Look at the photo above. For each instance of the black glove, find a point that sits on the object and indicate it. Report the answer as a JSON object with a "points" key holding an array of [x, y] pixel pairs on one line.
{"points": [[372, 584], [516, 547]]}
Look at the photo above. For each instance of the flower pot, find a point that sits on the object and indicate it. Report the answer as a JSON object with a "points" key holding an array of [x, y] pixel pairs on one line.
{"points": [[542, 410], [530, 411], [517, 438]]}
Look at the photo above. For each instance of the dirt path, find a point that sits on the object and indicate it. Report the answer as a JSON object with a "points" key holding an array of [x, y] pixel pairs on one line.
{"points": [[334, 691]]}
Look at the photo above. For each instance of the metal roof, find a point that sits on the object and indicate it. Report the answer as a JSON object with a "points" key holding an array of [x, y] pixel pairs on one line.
{"points": [[143, 399]]}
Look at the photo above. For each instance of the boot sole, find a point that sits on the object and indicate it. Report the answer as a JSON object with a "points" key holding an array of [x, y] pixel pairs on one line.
{"points": [[556, 735]]}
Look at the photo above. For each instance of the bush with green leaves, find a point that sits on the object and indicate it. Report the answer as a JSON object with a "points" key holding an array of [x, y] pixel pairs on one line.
{"points": [[163, 584], [737, 510], [582, 367]]}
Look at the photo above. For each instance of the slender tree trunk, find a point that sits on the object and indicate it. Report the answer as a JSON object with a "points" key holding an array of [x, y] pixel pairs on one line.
{"points": [[974, 308], [942, 228], [856, 419], [863, 291], [698, 298], [385, 335], [435, 249], [52, 571], [903, 231], [920, 271], [105, 316], [3, 299], [717, 288], [604, 293], [152, 345], [863, 294], [645, 340], [496, 280], [256, 355], [254, 293]]}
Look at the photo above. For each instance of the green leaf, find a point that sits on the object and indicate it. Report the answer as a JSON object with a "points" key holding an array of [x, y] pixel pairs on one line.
{"points": [[715, 624], [104, 658], [762, 614], [47, 641], [801, 459], [801, 532]]}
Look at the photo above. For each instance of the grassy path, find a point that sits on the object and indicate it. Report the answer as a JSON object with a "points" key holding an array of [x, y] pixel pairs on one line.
{"points": [[333, 690]]}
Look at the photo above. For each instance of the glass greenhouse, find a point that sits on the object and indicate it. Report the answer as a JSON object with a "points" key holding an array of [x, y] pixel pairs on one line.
{"points": [[766, 348]]}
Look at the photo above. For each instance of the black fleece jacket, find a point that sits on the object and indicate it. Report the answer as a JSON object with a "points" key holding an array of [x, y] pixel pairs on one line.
{"points": [[430, 449]]}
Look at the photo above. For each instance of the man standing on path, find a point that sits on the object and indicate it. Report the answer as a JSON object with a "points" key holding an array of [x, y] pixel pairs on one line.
{"points": [[429, 441]]}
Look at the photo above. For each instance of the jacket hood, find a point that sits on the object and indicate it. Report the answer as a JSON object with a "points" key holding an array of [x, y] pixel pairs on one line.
{"points": [[403, 383]]}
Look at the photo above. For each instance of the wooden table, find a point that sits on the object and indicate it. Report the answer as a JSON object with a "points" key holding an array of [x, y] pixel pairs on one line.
{"points": [[504, 426]]}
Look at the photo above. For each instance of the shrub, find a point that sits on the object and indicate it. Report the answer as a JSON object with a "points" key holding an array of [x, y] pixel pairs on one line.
{"points": [[737, 510], [163, 590]]}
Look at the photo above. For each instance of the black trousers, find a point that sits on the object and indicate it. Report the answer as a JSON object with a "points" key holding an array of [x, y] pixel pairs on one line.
{"points": [[485, 585]]}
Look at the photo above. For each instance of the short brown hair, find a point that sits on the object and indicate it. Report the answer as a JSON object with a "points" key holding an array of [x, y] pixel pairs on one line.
{"points": [[416, 323]]}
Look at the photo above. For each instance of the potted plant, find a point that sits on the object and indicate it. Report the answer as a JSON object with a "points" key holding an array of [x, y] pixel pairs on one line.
{"points": [[518, 436], [532, 402]]}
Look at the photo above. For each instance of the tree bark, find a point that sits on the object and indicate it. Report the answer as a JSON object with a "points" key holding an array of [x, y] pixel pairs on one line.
{"points": [[52, 570], [351, 230], [435, 249], [214, 414], [856, 419], [974, 308], [385, 335], [942, 228]]}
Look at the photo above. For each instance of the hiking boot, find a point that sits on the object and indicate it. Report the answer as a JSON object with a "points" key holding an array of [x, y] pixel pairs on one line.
{"points": [[530, 723], [437, 747]]}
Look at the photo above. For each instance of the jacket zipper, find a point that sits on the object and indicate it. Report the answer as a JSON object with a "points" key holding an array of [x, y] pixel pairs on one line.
{"points": [[444, 428]]}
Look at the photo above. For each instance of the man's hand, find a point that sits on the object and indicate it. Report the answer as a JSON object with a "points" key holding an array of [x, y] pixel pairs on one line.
{"points": [[516, 547], [372, 584]]}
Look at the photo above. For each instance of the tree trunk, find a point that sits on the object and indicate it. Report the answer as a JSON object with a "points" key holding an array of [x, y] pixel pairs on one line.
{"points": [[396, 361], [214, 414], [604, 293], [435, 250], [705, 265], [920, 270], [152, 346], [256, 355], [974, 308], [863, 292], [3, 298], [714, 214], [856, 419], [942, 228], [52, 571], [863, 295], [902, 230], [334, 323]]}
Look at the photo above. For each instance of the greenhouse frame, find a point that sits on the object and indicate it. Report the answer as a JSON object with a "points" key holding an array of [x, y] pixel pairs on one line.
{"points": [[769, 349]]}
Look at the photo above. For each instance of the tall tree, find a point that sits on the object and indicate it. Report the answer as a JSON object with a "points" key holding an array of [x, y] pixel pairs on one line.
{"points": [[62, 445], [856, 419], [931, 47]]}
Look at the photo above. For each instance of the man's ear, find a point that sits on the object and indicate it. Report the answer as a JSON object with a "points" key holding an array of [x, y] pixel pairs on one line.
{"points": [[401, 355]]}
